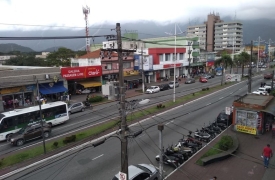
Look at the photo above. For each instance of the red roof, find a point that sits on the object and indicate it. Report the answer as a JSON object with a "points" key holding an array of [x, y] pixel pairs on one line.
{"points": [[94, 54]]}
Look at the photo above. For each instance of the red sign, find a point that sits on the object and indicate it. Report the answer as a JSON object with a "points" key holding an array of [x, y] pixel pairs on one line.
{"points": [[171, 65], [81, 72], [210, 63], [93, 71]]}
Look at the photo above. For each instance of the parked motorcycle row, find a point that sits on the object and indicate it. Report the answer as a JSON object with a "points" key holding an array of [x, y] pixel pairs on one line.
{"points": [[186, 147]]}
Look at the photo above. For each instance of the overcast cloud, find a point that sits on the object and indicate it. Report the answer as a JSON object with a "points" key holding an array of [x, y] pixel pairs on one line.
{"points": [[69, 12]]}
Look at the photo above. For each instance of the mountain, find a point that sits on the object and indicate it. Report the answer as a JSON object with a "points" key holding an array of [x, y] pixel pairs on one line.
{"points": [[52, 49], [252, 29], [5, 48]]}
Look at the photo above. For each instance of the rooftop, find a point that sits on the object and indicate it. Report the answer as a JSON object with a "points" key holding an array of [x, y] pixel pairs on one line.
{"points": [[256, 99]]}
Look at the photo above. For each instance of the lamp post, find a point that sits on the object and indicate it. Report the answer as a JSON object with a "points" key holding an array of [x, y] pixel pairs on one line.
{"points": [[259, 41]]}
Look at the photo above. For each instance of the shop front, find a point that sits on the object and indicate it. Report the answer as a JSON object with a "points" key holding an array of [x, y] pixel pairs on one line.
{"points": [[16, 97], [52, 91], [132, 79], [109, 77], [84, 79]]}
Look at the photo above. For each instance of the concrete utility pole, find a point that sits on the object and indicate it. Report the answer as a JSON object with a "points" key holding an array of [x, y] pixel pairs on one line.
{"points": [[250, 68], [160, 128], [40, 114], [124, 141], [272, 81], [259, 41], [142, 73]]}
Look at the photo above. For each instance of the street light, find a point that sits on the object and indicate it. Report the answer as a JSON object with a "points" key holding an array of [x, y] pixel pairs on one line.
{"points": [[175, 58], [259, 41]]}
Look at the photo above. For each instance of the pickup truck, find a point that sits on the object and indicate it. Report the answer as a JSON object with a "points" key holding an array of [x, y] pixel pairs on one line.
{"points": [[260, 91]]}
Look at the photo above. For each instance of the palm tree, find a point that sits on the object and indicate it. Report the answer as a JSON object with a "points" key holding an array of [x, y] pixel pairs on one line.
{"points": [[243, 58], [224, 61]]}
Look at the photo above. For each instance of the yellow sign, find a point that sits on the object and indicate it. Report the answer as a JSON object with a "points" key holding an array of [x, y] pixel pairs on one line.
{"points": [[246, 129], [12, 90], [131, 73]]}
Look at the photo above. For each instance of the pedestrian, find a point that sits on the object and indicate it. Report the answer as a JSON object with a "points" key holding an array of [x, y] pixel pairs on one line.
{"points": [[214, 178], [267, 154]]}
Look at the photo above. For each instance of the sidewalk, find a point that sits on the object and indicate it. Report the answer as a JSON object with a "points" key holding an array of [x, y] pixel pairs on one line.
{"points": [[129, 92], [246, 165]]}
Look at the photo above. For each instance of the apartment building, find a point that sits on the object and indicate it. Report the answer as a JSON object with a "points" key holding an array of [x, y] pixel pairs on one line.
{"points": [[215, 34]]}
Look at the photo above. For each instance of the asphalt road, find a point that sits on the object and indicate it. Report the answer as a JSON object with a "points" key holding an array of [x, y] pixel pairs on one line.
{"points": [[110, 110], [103, 162]]}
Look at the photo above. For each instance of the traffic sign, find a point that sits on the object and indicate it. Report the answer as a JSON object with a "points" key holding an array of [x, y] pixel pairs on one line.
{"points": [[122, 176], [227, 110]]}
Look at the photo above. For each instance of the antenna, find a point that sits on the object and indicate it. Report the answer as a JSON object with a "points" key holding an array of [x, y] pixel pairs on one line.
{"points": [[86, 11]]}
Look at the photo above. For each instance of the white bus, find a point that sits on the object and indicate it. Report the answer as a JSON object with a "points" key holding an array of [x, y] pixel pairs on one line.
{"points": [[12, 121]]}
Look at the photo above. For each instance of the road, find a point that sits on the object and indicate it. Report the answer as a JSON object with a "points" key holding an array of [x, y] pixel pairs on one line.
{"points": [[106, 111], [103, 162]]}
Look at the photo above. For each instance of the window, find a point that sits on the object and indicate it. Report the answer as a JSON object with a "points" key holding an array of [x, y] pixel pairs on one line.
{"points": [[160, 57], [181, 56], [126, 65], [167, 57], [75, 64], [108, 66]]}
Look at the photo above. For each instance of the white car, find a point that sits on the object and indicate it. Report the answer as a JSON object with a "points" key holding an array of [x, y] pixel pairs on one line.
{"points": [[153, 89], [260, 91], [171, 84], [268, 86], [86, 91]]}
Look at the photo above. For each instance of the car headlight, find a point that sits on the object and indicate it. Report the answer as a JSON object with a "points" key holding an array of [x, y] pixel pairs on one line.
{"points": [[12, 140]]}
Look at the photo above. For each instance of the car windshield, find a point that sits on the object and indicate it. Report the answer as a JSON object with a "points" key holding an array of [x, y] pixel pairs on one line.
{"points": [[144, 169], [151, 87], [261, 89], [22, 130], [172, 82]]}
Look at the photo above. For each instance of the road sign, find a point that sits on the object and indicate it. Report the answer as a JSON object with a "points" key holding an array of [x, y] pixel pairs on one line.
{"points": [[227, 110], [122, 176]]}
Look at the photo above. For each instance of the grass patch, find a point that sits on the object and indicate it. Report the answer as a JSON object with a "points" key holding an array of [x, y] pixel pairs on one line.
{"points": [[224, 144], [37, 151]]}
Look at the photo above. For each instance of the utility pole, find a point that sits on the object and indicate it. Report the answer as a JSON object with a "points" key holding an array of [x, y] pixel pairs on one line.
{"points": [[124, 141], [259, 41], [40, 114], [142, 73], [189, 59], [272, 81], [250, 68], [269, 45], [160, 128]]}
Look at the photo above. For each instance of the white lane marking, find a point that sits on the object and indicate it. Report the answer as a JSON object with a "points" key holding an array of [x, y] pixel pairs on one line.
{"points": [[208, 104], [231, 93], [221, 98], [167, 123], [97, 157], [100, 138]]}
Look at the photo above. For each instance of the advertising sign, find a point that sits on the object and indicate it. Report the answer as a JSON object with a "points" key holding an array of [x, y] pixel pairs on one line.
{"points": [[246, 129], [171, 65], [93, 71], [147, 62]]}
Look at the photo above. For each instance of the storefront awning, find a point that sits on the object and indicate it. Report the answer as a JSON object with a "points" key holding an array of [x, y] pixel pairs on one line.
{"points": [[132, 78], [88, 84], [271, 107], [52, 88]]}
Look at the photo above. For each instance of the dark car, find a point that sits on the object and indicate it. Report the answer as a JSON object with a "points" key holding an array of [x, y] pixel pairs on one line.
{"points": [[268, 76], [28, 133], [164, 87], [190, 80], [223, 118]]}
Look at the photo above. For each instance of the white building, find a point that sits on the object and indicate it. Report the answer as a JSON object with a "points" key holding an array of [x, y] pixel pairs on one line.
{"points": [[43, 55]]}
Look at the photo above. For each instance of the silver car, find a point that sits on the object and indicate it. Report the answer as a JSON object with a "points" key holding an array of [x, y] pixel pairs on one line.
{"points": [[141, 171], [171, 84], [76, 107]]}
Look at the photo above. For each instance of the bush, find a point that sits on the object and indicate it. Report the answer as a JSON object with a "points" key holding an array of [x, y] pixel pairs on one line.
{"points": [[160, 106], [55, 145], [95, 99], [69, 139], [225, 143], [207, 88], [203, 89]]}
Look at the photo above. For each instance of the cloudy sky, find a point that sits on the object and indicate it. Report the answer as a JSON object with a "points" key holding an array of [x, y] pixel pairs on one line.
{"points": [[69, 12]]}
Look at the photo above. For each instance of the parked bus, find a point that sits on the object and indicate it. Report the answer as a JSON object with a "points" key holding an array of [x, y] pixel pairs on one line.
{"points": [[12, 121]]}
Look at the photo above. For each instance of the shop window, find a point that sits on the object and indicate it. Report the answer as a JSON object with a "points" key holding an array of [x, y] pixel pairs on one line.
{"points": [[108, 66], [161, 57], [167, 57], [126, 65], [181, 56]]}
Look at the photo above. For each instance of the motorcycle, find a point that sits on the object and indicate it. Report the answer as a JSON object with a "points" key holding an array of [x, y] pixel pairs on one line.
{"points": [[182, 155], [169, 160], [88, 104], [202, 136], [187, 151]]}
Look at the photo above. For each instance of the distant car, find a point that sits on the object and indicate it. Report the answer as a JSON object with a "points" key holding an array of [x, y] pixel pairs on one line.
{"points": [[28, 133], [224, 118], [207, 76], [153, 89], [86, 91], [171, 84], [203, 79], [141, 172], [164, 87], [76, 107], [219, 73], [260, 91], [268, 76], [190, 80]]}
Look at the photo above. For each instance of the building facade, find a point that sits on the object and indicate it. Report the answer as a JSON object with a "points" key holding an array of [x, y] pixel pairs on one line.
{"points": [[18, 87], [215, 34]]}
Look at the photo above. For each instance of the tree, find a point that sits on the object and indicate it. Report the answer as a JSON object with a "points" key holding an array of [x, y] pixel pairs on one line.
{"points": [[224, 61], [62, 57], [26, 60], [243, 58]]}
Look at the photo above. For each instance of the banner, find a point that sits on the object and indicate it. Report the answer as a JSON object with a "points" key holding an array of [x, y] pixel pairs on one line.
{"points": [[246, 129]]}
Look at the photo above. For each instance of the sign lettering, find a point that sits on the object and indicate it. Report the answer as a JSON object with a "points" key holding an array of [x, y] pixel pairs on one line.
{"points": [[246, 129]]}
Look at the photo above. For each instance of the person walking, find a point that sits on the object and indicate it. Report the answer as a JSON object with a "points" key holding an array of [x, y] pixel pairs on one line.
{"points": [[267, 154], [214, 178]]}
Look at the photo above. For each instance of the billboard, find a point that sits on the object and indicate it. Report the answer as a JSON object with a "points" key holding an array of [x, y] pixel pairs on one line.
{"points": [[247, 121], [147, 63]]}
